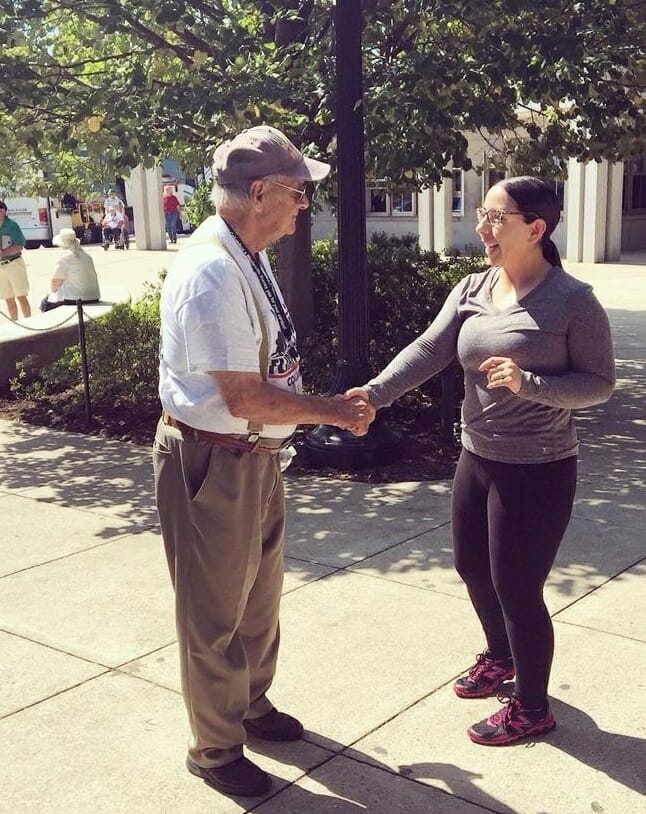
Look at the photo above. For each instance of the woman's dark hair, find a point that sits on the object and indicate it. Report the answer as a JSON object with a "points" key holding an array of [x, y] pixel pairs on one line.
{"points": [[537, 198], [3, 205]]}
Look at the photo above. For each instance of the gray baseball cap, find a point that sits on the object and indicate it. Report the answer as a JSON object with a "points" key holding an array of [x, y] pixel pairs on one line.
{"points": [[261, 151]]}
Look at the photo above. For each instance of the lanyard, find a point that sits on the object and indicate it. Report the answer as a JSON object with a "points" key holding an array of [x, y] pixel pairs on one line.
{"points": [[284, 320]]}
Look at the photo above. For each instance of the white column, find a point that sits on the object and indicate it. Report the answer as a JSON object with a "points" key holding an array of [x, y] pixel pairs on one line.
{"points": [[595, 212], [614, 219], [442, 218], [145, 196], [425, 219], [575, 210]]}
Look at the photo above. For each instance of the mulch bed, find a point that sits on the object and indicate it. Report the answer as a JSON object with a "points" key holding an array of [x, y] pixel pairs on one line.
{"points": [[423, 455]]}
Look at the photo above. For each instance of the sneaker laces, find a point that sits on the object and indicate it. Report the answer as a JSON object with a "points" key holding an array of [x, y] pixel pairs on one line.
{"points": [[505, 715], [480, 667], [483, 664]]}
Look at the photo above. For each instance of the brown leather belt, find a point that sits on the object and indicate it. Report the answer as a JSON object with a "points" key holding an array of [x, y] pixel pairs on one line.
{"points": [[271, 446], [9, 260]]}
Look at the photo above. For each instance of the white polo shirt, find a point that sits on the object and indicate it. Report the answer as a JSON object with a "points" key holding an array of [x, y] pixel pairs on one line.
{"points": [[210, 322]]}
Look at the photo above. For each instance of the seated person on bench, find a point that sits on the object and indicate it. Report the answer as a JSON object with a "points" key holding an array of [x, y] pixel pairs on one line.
{"points": [[74, 276]]}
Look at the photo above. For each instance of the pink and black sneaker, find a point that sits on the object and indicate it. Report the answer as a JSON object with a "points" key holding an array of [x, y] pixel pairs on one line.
{"points": [[510, 724], [485, 677]]}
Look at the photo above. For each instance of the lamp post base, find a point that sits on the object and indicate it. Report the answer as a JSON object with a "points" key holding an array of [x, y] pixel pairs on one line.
{"points": [[328, 446]]}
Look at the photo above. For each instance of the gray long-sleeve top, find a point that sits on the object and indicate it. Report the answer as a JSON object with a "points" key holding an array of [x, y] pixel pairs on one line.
{"points": [[558, 335]]}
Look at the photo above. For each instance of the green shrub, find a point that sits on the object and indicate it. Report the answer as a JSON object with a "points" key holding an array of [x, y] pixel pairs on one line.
{"points": [[406, 289], [123, 357], [200, 206]]}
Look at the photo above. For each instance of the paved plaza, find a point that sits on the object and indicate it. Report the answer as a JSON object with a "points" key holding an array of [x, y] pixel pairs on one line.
{"points": [[376, 625]]}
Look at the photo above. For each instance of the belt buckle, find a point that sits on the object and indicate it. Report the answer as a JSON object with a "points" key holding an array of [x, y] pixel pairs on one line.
{"points": [[253, 439]]}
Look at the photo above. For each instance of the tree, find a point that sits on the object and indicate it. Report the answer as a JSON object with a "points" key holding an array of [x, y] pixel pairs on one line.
{"points": [[115, 83]]}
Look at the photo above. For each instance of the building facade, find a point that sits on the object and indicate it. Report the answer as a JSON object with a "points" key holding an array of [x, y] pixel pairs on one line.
{"points": [[603, 208]]}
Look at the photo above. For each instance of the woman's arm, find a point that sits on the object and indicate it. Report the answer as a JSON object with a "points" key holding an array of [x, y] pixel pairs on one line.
{"points": [[426, 356], [591, 375]]}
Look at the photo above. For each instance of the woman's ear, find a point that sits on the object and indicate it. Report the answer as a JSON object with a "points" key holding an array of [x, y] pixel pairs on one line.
{"points": [[538, 228]]}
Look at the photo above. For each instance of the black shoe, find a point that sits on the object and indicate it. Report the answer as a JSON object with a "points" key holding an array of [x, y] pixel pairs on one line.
{"points": [[275, 726], [241, 778]]}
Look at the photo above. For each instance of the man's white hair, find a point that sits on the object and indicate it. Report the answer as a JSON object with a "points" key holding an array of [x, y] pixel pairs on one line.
{"points": [[230, 197]]}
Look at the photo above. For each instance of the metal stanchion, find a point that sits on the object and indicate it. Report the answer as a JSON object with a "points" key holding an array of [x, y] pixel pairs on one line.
{"points": [[84, 366]]}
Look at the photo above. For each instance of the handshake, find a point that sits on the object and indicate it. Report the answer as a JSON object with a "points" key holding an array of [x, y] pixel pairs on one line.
{"points": [[354, 411]]}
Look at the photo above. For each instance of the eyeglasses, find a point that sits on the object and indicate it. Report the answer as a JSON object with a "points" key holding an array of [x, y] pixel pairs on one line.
{"points": [[497, 216], [299, 194]]}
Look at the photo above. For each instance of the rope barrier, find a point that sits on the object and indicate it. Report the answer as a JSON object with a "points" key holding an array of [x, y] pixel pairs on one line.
{"points": [[81, 316], [49, 327]]}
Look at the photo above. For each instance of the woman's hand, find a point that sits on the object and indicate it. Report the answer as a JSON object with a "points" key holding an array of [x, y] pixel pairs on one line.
{"points": [[354, 393], [502, 372]]}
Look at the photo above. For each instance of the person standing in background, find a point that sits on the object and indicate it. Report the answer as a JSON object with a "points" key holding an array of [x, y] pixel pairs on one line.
{"points": [[14, 284], [113, 200], [172, 208]]}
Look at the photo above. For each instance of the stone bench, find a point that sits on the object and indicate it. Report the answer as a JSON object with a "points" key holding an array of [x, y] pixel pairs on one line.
{"points": [[43, 335]]}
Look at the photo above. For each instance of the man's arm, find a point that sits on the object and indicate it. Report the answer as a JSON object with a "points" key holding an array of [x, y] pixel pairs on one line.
{"points": [[17, 242], [248, 396]]}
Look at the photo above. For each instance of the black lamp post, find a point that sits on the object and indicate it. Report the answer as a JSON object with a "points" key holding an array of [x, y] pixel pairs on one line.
{"points": [[326, 445]]}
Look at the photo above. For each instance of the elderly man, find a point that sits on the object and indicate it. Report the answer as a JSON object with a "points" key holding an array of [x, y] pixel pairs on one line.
{"points": [[113, 225], [112, 200], [230, 389]]}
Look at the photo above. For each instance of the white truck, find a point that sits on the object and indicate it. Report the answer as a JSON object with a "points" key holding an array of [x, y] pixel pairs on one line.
{"points": [[34, 218], [42, 218]]}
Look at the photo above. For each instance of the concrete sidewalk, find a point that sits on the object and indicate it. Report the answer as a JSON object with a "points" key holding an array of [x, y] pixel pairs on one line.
{"points": [[375, 627]]}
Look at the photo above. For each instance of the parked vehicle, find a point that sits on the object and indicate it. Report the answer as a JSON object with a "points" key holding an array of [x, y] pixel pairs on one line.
{"points": [[33, 217], [42, 218]]}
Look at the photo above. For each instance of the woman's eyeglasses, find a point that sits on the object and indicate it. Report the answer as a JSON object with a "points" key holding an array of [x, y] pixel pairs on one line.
{"points": [[299, 194], [497, 216]]}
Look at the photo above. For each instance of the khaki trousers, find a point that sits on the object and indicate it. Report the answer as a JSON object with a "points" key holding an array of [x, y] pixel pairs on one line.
{"points": [[222, 515]]}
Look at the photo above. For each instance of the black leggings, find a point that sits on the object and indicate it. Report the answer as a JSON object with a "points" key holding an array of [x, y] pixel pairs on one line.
{"points": [[508, 521]]}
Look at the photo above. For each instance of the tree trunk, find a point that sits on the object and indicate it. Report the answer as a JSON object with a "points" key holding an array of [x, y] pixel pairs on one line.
{"points": [[295, 273]]}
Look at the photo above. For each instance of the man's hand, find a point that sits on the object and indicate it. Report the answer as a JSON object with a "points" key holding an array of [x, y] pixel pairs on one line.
{"points": [[354, 393], [355, 413]]}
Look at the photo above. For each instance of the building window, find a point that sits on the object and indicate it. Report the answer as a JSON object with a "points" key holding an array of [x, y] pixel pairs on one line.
{"points": [[491, 176], [378, 201], [635, 185], [457, 200], [559, 188], [395, 203], [402, 202]]}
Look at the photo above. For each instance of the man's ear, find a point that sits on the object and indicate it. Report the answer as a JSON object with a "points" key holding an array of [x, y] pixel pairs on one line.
{"points": [[257, 191]]}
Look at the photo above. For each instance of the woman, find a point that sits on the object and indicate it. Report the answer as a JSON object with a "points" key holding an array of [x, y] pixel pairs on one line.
{"points": [[534, 343], [74, 276]]}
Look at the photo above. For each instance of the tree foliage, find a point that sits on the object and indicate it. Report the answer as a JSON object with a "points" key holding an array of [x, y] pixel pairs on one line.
{"points": [[102, 86]]}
